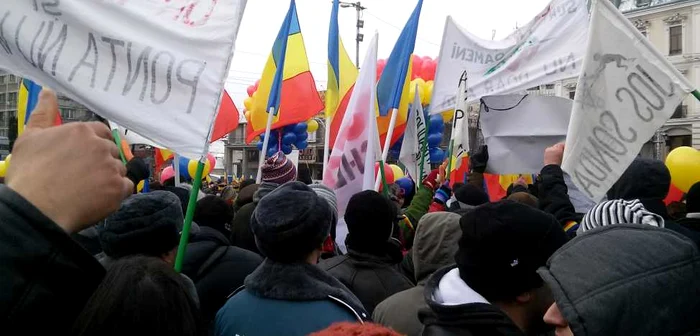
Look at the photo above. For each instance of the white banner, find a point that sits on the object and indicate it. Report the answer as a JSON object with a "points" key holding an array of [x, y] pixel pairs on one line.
{"points": [[350, 168], [156, 67], [518, 128], [626, 91], [460, 125], [414, 150], [549, 48]]}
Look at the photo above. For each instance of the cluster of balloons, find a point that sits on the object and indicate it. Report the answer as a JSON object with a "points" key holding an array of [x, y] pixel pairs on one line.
{"points": [[188, 168], [282, 139], [392, 172], [436, 128], [684, 165]]}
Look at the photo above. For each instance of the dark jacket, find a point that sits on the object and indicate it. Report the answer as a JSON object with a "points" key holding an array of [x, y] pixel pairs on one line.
{"points": [[468, 314], [287, 299], [45, 276], [434, 247], [370, 277], [648, 181], [241, 234], [217, 268], [691, 221], [554, 198], [627, 279]]}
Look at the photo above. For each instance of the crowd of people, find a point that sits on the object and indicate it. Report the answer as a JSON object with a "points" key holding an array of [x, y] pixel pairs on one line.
{"points": [[81, 253]]}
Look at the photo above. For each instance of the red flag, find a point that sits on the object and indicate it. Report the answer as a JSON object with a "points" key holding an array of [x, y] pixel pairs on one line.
{"points": [[674, 195], [226, 119]]}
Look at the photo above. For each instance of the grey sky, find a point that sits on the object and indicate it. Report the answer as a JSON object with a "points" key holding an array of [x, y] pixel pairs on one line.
{"points": [[263, 18]]}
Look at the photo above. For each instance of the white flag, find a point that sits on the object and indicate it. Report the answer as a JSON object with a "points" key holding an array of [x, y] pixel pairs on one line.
{"points": [[549, 48], [350, 167], [414, 151], [459, 144], [155, 67], [626, 91]]}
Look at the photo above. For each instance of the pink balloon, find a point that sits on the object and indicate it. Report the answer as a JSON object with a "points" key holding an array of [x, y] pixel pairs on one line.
{"points": [[212, 160], [257, 83], [251, 89], [429, 71], [167, 174], [417, 67]]}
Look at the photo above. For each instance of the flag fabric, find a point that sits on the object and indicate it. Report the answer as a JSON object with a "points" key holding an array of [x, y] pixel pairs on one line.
{"points": [[342, 74], [626, 91], [414, 153], [226, 120], [549, 48], [394, 84], [460, 125], [497, 185], [27, 99], [162, 155], [350, 167], [286, 83]]}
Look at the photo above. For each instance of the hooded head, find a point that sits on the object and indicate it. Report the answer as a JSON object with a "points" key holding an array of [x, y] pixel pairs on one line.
{"points": [[625, 279], [435, 243], [408, 188], [648, 181], [470, 196], [291, 222], [370, 220], [618, 212]]}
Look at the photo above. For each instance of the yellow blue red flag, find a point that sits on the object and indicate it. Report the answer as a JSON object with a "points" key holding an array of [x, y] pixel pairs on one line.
{"points": [[27, 99]]}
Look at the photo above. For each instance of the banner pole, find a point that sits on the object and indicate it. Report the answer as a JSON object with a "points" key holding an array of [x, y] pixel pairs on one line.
{"points": [[449, 158], [382, 178], [266, 141], [389, 133], [189, 215], [118, 141], [176, 168]]}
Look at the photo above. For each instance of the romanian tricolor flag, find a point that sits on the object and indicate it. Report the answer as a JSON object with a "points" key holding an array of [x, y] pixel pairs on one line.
{"points": [[286, 84], [394, 84], [27, 99], [342, 75], [497, 185]]}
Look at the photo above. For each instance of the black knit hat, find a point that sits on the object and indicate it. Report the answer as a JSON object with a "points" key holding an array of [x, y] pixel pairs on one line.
{"points": [[370, 220], [214, 212], [137, 170], [290, 222], [147, 224], [502, 246], [471, 195]]}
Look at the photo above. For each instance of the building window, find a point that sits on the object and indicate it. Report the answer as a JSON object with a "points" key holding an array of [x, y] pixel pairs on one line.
{"points": [[12, 98], [68, 114], [13, 79], [534, 88], [2, 118], [2, 98], [675, 35], [2, 79], [642, 3], [3, 132], [572, 94], [549, 86], [312, 137]]}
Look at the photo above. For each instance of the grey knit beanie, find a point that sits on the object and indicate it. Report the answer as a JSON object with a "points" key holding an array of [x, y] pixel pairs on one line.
{"points": [[618, 212]]}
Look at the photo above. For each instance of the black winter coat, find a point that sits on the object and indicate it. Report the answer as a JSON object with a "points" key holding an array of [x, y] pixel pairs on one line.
{"points": [[45, 277], [216, 268], [371, 278]]}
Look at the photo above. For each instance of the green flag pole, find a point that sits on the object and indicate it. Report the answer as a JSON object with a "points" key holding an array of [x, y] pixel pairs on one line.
{"points": [[385, 186], [185, 236], [449, 158], [696, 94], [118, 141]]}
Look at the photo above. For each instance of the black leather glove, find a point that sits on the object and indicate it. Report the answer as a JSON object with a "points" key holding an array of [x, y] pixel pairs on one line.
{"points": [[479, 159]]}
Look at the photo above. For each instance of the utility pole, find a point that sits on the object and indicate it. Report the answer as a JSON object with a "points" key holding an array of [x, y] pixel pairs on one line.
{"points": [[359, 37]]}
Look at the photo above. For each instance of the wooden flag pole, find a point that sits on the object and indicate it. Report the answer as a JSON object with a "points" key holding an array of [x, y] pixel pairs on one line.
{"points": [[189, 215], [266, 141]]}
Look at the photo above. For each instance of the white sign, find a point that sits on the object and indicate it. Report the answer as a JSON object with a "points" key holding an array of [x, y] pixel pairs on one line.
{"points": [[414, 150], [156, 67], [518, 128], [626, 91], [460, 126], [549, 48]]}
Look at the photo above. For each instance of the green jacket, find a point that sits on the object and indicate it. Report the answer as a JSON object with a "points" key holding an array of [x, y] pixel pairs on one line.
{"points": [[408, 220]]}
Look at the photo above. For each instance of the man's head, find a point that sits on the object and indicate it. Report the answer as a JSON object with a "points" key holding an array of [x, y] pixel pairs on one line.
{"points": [[502, 246], [408, 189], [291, 223], [470, 196], [213, 212], [692, 200], [147, 224], [370, 220], [278, 169], [647, 180], [618, 212]]}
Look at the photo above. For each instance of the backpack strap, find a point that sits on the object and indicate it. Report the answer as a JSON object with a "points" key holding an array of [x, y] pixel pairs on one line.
{"points": [[207, 264]]}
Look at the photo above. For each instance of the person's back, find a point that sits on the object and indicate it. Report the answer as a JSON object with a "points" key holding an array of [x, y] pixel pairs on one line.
{"points": [[692, 203], [288, 294], [369, 268]]}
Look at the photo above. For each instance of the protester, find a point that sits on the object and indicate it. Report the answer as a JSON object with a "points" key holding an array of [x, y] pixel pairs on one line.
{"points": [[276, 170], [524, 198], [618, 212], [330, 247], [146, 224], [288, 294], [228, 194], [216, 267], [46, 276], [494, 289], [692, 205], [552, 192], [245, 196], [369, 268], [434, 247], [355, 329], [137, 170], [625, 280], [140, 296], [468, 197], [408, 218], [648, 181], [407, 188]]}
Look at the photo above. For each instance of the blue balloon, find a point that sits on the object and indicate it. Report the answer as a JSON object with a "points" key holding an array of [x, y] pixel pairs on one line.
{"points": [[289, 128], [289, 138], [301, 128], [434, 140], [302, 144], [183, 165], [437, 125], [437, 155], [271, 151], [260, 144], [286, 149], [302, 136]]}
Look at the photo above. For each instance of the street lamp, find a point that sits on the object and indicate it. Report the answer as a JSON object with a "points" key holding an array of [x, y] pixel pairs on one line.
{"points": [[360, 24]]}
